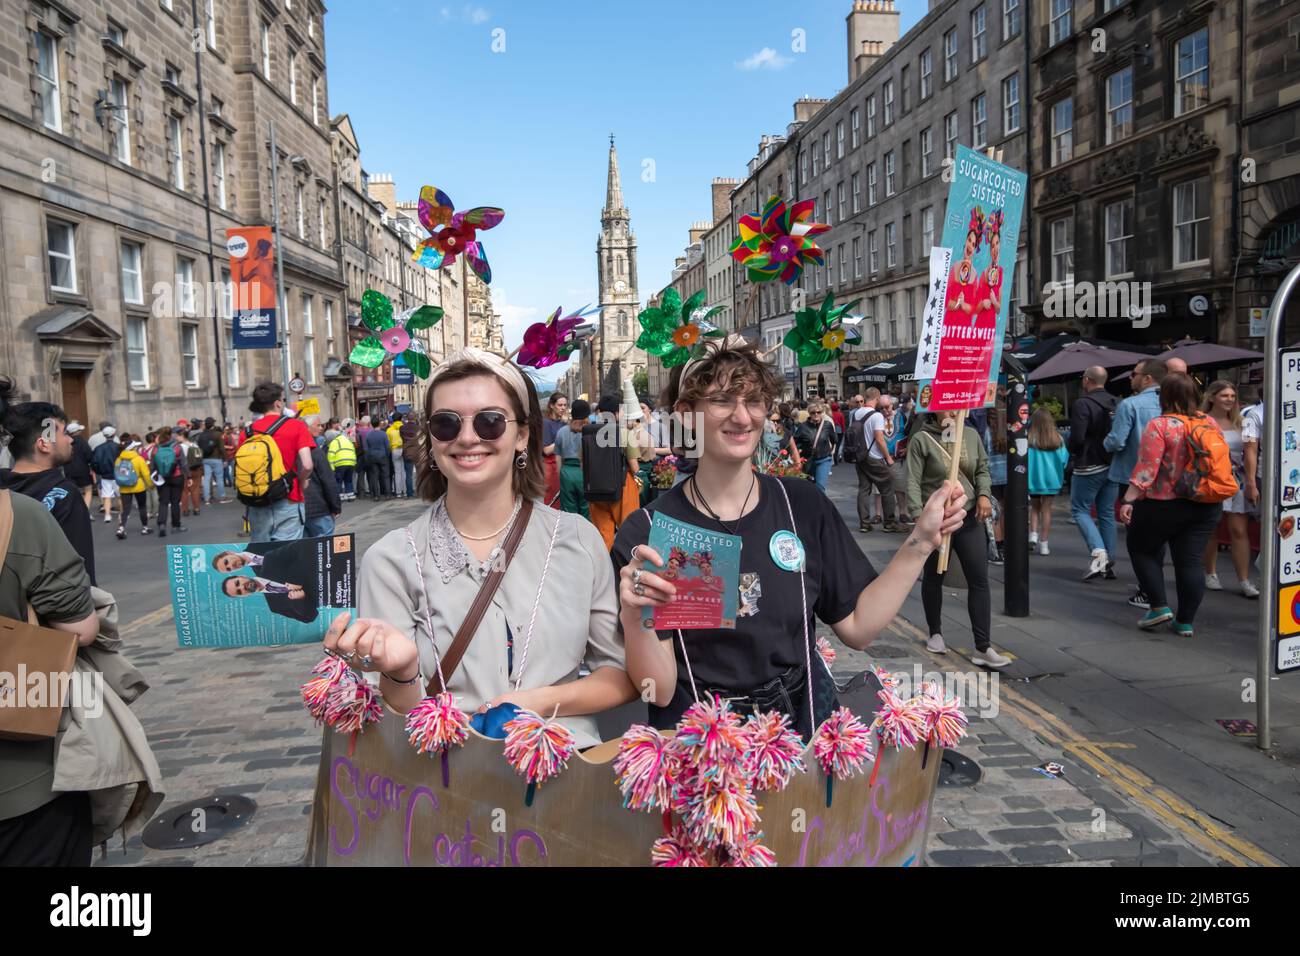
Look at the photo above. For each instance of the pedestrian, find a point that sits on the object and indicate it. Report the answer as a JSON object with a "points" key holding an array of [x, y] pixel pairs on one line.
{"points": [[929, 460], [1047, 458], [410, 435], [229, 444], [131, 475], [43, 575], [995, 446], [341, 455], [1157, 513], [896, 442], [378, 459], [1091, 418], [483, 478], [873, 462], [80, 468], [146, 452], [798, 561], [211, 442], [192, 496], [104, 460], [1222, 406], [359, 439], [100, 435], [1252, 430], [816, 441], [567, 446], [281, 518], [171, 477], [396, 467], [322, 503], [837, 416], [1125, 436], [38, 440], [557, 410], [609, 466]]}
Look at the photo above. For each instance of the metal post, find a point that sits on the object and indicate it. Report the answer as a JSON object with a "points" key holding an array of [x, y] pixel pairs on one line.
{"points": [[279, 262], [1015, 504], [199, 42], [1268, 513]]}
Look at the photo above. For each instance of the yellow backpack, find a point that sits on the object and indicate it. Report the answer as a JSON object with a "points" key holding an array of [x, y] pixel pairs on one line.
{"points": [[260, 476]]}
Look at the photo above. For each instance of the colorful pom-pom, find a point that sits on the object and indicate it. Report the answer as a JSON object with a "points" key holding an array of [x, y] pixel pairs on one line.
{"points": [[826, 651], [721, 815], [775, 751], [436, 723], [750, 853], [537, 748], [647, 769], [676, 849], [887, 679], [352, 705], [899, 722], [944, 721], [316, 691], [842, 744], [714, 740]]}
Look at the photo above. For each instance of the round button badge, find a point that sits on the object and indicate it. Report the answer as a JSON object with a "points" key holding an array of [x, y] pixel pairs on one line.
{"points": [[787, 551]]}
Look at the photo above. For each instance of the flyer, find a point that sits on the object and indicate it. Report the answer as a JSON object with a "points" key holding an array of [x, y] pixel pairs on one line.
{"points": [[260, 595], [972, 273], [705, 568]]}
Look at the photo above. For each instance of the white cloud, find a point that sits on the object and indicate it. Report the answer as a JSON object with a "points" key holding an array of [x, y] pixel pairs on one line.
{"points": [[765, 59], [476, 14], [446, 13]]}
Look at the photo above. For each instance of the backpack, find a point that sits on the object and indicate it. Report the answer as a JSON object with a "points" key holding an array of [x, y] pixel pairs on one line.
{"points": [[1208, 476], [194, 457], [166, 462], [104, 458], [604, 469], [260, 476], [207, 443], [855, 437], [124, 473]]}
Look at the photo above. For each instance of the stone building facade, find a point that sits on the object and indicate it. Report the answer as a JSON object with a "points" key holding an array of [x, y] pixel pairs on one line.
{"points": [[112, 288]]}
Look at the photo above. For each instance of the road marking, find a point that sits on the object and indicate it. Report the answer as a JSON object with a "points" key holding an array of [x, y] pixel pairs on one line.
{"points": [[1198, 828], [149, 620]]}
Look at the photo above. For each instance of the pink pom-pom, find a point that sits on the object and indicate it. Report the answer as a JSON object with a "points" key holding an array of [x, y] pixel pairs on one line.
{"points": [[899, 722], [537, 748], [677, 850], [715, 741], [887, 680], [750, 853], [944, 723], [721, 815], [316, 692], [352, 706], [826, 651], [436, 724], [646, 769], [842, 744], [775, 751]]}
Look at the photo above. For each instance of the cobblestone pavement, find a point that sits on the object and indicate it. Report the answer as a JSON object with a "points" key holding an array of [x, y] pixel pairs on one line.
{"points": [[230, 722]]}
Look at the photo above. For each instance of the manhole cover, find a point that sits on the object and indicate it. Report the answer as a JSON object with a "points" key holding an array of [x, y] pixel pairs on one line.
{"points": [[198, 822], [958, 771], [887, 650]]}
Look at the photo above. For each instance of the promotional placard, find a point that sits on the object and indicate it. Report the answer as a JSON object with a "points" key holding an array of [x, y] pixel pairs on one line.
{"points": [[1285, 427], [972, 273], [704, 566], [252, 287]]}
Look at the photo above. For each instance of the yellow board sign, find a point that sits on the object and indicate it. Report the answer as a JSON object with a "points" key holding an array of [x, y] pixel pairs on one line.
{"points": [[1288, 610], [309, 406]]}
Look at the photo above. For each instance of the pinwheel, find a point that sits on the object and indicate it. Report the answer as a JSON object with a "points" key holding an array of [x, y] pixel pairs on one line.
{"points": [[672, 331], [780, 242], [452, 233], [819, 335], [546, 343], [390, 338]]}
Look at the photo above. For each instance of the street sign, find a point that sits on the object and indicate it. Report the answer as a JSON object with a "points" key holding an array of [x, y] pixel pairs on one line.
{"points": [[297, 386], [402, 374], [309, 406], [1258, 323], [1286, 436]]}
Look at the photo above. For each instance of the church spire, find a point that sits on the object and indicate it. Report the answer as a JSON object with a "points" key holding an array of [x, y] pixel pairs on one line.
{"points": [[614, 188]]}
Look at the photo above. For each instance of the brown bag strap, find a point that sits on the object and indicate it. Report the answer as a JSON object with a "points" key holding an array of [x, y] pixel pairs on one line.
{"points": [[6, 525], [487, 590]]}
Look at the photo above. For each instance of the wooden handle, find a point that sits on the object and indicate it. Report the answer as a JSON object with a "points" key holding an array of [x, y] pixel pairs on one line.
{"points": [[954, 475]]}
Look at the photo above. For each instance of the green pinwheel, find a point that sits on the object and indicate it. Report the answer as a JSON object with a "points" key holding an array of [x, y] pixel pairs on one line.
{"points": [[818, 335], [393, 337], [673, 331]]}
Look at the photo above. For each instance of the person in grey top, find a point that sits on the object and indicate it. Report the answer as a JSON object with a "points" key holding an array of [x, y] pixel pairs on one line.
{"points": [[549, 641]]}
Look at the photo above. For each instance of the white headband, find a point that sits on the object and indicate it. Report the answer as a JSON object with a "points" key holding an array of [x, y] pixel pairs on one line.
{"points": [[502, 368]]}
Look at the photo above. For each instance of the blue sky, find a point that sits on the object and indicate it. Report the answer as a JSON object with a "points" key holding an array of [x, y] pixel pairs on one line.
{"points": [[688, 87]]}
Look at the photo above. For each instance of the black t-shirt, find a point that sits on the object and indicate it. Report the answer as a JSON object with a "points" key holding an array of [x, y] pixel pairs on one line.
{"points": [[768, 638], [63, 500]]}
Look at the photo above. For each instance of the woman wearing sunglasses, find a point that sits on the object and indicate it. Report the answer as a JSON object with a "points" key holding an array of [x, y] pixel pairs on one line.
{"points": [[481, 470], [798, 560]]}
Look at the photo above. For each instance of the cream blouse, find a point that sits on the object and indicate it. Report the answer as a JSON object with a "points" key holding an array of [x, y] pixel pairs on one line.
{"points": [[574, 597]]}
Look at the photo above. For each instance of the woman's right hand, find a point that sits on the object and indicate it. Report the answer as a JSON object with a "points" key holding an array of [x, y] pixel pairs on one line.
{"points": [[656, 591], [388, 649]]}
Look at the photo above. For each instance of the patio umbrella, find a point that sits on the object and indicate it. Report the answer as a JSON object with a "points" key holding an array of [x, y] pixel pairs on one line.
{"points": [[1035, 355], [900, 367], [1203, 354], [1071, 361]]}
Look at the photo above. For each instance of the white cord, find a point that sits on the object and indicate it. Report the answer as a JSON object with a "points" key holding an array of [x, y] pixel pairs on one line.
{"points": [[519, 674]]}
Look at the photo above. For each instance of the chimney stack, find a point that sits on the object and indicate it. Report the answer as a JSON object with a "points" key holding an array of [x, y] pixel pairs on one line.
{"points": [[722, 190], [381, 188], [872, 29]]}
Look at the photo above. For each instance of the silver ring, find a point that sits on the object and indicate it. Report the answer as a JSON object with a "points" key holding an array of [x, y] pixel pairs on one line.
{"points": [[636, 554], [638, 590], [366, 660], [349, 655], [636, 577]]}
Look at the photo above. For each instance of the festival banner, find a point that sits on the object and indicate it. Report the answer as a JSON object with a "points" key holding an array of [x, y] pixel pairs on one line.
{"points": [[972, 273], [704, 566], [252, 287], [259, 595]]}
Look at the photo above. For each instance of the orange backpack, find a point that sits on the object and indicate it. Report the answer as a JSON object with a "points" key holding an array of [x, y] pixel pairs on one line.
{"points": [[1208, 477]]}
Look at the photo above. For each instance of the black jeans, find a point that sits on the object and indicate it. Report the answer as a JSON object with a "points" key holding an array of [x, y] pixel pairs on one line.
{"points": [[970, 546], [377, 477], [169, 497], [875, 471], [141, 500], [1186, 527], [56, 834]]}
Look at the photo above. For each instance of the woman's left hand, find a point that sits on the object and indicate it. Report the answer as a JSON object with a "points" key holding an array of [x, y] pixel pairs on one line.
{"points": [[944, 513], [983, 508], [523, 699], [1126, 512]]}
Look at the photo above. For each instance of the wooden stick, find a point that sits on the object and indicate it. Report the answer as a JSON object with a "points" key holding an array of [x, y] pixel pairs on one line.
{"points": [[515, 352], [954, 473]]}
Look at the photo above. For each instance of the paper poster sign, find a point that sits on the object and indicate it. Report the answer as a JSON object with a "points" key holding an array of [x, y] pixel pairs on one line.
{"points": [[967, 313], [704, 566], [1283, 423], [252, 287], [309, 406], [258, 595], [402, 374], [1258, 323]]}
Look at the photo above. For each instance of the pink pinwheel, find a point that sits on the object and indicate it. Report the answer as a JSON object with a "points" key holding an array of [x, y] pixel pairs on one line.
{"points": [[546, 343], [452, 233]]}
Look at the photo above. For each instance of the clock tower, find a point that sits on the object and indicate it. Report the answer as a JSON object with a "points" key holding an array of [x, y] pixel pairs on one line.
{"points": [[614, 351]]}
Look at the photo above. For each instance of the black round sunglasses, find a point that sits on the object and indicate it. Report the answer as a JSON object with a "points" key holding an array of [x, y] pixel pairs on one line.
{"points": [[488, 425]]}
